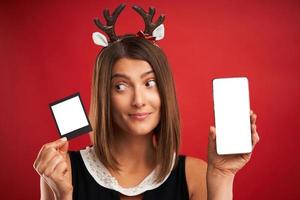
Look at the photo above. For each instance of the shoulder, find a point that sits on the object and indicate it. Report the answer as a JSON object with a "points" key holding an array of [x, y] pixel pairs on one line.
{"points": [[195, 170]]}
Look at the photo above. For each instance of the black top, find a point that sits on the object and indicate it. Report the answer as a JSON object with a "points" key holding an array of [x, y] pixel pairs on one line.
{"points": [[86, 188]]}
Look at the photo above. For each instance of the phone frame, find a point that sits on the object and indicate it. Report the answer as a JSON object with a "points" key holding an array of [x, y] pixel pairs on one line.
{"points": [[218, 151]]}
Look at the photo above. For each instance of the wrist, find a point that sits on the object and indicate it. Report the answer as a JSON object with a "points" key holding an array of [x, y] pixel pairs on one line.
{"points": [[220, 173], [67, 195], [219, 184]]}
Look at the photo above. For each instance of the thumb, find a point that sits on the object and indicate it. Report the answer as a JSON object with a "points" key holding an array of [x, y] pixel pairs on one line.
{"points": [[212, 133], [212, 139], [64, 148], [57, 144]]}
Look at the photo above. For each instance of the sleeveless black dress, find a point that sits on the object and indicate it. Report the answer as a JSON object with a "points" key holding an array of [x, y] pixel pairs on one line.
{"points": [[86, 188]]}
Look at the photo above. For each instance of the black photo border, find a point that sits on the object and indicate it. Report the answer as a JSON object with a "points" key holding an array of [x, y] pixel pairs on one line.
{"points": [[76, 132]]}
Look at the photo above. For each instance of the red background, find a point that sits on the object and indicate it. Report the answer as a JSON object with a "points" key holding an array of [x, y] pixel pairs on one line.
{"points": [[46, 53]]}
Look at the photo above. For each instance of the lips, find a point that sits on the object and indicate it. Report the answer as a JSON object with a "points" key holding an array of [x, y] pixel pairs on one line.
{"points": [[139, 116]]}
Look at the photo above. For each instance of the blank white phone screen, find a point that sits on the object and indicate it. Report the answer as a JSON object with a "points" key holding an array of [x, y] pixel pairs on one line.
{"points": [[232, 115], [69, 115]]}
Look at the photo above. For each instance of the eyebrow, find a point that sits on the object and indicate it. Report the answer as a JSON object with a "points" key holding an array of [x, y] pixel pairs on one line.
{"points": [[116, 75]]}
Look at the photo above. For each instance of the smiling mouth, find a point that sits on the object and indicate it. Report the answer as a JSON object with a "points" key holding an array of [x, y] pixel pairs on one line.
{"points": [[139, 116]]}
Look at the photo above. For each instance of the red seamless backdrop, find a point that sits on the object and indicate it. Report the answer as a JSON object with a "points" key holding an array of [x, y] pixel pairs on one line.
{"points": [[46, 53]]}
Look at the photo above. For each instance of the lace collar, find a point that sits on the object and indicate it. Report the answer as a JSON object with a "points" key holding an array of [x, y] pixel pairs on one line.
{"points": [[104, 178]]}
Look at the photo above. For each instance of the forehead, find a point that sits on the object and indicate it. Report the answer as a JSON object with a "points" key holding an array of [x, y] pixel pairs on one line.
{"points": [[131, 66]]}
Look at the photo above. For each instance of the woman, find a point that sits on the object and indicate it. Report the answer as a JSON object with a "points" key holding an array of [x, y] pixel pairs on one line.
{"points": [[136, 134]]}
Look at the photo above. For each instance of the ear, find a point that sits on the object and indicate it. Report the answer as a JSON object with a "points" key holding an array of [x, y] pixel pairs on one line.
{"points": [[100, 39], [159, 32]]}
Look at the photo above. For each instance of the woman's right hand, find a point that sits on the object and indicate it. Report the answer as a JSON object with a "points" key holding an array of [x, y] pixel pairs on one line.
{"points": [[53, 165]]}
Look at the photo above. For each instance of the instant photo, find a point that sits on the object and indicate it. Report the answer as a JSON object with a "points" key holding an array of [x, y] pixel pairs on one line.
{"points": [[70, 116]]}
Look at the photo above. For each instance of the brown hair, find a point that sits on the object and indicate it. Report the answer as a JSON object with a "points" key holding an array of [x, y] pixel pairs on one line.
{"points": [[168, 130]]}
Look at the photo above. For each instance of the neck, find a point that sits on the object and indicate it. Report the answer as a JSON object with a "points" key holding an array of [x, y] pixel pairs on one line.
{"points": [[133, 152]]}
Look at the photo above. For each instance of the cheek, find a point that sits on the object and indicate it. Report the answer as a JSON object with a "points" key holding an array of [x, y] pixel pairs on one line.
{"points": [[117, 103], [116, 110], [155, 100]]}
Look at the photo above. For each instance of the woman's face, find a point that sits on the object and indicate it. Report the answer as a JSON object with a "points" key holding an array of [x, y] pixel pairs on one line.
{"points": [[135, 98]]}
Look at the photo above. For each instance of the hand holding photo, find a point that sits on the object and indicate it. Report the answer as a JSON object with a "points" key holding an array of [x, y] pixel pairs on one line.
{"points": [[70, 116]]}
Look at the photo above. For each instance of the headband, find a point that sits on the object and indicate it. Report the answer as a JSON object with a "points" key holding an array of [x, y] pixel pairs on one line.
{"points": [[153, 31]]}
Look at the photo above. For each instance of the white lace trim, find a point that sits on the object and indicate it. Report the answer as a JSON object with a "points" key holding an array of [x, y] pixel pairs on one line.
{"points": [[103, 177]]}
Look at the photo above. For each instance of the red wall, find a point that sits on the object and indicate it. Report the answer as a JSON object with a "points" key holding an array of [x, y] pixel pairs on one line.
{"points": [[46, 52]]}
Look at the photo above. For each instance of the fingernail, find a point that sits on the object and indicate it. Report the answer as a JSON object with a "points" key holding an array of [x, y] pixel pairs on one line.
{"points": [[64, 139], [44, 176]]}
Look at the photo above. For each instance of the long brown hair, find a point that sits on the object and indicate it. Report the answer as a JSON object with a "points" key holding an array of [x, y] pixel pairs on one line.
{"points": [[168, 130]]}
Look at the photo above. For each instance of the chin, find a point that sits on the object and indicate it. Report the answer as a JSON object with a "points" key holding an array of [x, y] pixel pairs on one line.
{"points": [[140, 131]]}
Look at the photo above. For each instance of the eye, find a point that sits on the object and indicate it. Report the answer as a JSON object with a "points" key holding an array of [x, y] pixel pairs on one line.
{"points": [[150, 83], [120, 87]]}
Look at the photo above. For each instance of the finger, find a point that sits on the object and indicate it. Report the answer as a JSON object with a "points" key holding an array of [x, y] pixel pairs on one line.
{"points": [[253, 128], [212, 131], [253, 118], [44, 162], [64, 148], [212, 139], [56, 144], [44, 157], [39, 157], [62, 151], [246, 156], [60, 170], [52, 164], [255, 139]]}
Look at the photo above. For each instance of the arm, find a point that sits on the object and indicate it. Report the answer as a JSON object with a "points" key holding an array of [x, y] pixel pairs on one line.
{"points": [[219, 186], [46, 192], [206, 183], [195, 170]]}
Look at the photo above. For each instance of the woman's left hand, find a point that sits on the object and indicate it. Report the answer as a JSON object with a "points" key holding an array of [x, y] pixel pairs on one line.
{"points": [[229, 164]]}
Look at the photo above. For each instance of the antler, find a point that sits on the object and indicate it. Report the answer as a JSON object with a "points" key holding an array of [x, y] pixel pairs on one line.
{"points": [[148, 17], [109, 29]]}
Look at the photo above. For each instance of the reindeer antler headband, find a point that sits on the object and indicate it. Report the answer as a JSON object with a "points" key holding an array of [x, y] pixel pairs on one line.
{"points": [[153, 31]]}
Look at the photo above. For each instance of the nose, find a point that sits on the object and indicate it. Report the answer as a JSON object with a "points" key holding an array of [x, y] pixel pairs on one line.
{"points": [[138, 98]]}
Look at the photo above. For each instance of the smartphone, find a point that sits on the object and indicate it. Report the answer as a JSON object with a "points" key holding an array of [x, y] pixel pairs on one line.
{"points": [[232, 115]]}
